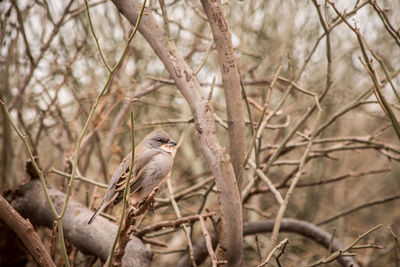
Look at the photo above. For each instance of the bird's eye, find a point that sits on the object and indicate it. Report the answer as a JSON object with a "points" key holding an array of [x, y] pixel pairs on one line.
{"points": [[159, 140]]}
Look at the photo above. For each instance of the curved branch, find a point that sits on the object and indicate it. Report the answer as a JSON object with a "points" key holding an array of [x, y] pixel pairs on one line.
{"points": [[217, 157], [300, 227]]}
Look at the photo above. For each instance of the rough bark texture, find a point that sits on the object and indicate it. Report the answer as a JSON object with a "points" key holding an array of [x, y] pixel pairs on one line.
{"points": [[24, 229], [303, 228], [231, 82], [95, 239], [216, 156]]}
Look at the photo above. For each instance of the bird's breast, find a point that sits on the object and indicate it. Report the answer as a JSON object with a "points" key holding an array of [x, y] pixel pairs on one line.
{"points": [[155, 171]]}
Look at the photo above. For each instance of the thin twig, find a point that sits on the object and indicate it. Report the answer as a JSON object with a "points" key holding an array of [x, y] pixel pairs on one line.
{"points": [[171, 223], [371, 71], [396, 239], [282, 244], [283, 206], [331, 241], [209, 245], [184, 228], [127, 187], [268, 182], [261, 123], [343, 251], [365, 205], [178, 213], [79, 178], [281, 253]]}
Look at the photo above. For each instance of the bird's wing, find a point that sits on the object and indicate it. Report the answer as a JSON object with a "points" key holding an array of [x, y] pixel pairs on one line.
{"points": [[115, 191], [137, 176], [111, 192]]}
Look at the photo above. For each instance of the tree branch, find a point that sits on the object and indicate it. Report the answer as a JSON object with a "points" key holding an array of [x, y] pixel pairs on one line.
{"points": [[95, 239], [24, 229], [231, 82]]}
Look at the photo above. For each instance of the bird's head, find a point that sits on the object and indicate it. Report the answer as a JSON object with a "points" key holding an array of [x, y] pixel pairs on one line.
{"points": [[160, 139]]}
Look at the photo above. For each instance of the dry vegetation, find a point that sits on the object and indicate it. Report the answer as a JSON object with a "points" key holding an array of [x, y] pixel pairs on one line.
{"points": [[328, 81]]}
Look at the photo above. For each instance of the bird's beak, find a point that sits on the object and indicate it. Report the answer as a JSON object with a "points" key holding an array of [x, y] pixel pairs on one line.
{"points": [[171, 142]]}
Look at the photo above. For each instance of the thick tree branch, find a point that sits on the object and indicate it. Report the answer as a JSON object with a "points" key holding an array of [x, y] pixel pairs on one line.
{"points": [[24, 229], [216, 156], [95, 239], [231, 82]]}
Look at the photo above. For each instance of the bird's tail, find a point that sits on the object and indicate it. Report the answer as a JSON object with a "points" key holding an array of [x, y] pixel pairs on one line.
{"points": [[100, 209]]}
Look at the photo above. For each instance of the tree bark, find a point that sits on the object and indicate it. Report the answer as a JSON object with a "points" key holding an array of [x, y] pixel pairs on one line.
{"points": [[231, 83], [24, 229], [217, 157], [95, 239]]}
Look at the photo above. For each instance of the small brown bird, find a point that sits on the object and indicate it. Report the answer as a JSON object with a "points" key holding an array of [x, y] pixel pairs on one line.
{"points": [[153, 162]]}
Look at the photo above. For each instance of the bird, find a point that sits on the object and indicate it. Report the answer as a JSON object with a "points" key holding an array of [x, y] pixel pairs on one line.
{"points": [[152, 164]]}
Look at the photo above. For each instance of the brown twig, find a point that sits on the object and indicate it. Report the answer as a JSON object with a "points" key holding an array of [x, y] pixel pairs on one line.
{"points": [[154, 242], [341, 252], [280, 246], [183, 226], [362, 206], [254, 143], [281, 252], [386, 21], [284, 204], [396, 239], [321, 182], [129, 226], [210, 249], [124, 237], [372, 72], [37, 60]]}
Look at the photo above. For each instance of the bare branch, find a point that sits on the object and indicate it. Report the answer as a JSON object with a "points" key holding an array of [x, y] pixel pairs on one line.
{"points": [[25, 231], [231, 82], [362, 206]]}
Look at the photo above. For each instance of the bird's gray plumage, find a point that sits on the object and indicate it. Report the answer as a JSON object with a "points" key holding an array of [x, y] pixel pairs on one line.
{"points": [[151, 166]]}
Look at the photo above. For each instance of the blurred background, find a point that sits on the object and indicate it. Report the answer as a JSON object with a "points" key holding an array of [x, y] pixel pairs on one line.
{"points": [[51, 73]]}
